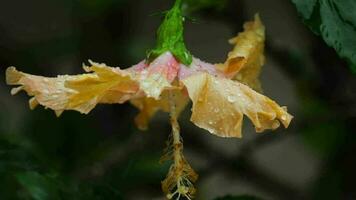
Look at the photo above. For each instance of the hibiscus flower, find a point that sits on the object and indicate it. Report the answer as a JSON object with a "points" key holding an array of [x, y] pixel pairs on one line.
{"points": [[221, 94]]}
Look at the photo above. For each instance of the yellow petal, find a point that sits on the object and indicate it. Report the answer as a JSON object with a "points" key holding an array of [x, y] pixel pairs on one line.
{"points": [[149, 106], [33, 103], [244, 62], [76, 92], [49, 92], [105, 85], [219, 105]]}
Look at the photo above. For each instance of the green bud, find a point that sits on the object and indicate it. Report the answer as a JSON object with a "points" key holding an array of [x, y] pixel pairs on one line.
{"points": [[170, 36]]}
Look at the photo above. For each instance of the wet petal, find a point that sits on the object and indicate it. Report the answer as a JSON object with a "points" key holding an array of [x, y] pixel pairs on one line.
{"points": [[149, 106], [198, 66], [106, 85], [158, 75], [219, 105], [50, 92], [75, 92], [244, 62]]}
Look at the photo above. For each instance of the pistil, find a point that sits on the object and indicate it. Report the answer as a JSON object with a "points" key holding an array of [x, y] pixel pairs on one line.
{"points": [[180, 178]]}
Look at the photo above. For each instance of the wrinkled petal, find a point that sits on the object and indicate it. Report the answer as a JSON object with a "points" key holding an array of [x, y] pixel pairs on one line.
{"points": [[219, 105], [75, 92], [198, 66], [108, 85], [158, 75], [149, 106], [244, 62]]}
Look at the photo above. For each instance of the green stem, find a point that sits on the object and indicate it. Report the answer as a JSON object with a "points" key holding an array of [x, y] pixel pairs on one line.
{"points": [[170, 36]]}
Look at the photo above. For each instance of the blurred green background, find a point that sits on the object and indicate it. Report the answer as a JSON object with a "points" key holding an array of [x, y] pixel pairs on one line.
{"points": [[103, 156]]}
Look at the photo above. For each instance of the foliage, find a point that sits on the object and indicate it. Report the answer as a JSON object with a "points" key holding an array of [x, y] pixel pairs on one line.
{"points": [[40, 187], [335, 21], [23, 178], [49, 154]]}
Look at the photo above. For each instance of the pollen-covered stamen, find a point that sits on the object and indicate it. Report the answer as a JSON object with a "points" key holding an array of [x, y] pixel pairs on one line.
{"points": [[180, 178]]}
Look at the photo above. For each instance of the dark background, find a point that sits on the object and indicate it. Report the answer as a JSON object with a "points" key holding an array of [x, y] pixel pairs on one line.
{"points": [[103, 156]]}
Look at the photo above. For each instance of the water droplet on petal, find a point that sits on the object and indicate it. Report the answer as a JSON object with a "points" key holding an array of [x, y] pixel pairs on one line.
{"points": [[156, 92], [231, 99], [145, 85]]}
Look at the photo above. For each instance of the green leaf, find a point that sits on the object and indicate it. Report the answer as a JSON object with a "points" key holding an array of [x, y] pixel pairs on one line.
{"points": [[55, 187], [15, 157], [38, 186], [240, 197], [305, 8], [335, 21], [347, 10], [170, 36], [337, 32]]}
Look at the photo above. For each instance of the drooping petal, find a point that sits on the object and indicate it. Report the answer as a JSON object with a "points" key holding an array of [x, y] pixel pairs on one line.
{"points": [[50, 92], [149, 106], [244, 62], [109, 85], [158, 75], [75, 92], [219, 105]]}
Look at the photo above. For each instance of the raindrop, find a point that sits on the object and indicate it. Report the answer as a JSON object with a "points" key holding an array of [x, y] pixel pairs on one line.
{"points": [[231, 99], [145, 85], [156, 77], [144, 73], [156, 92]]}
